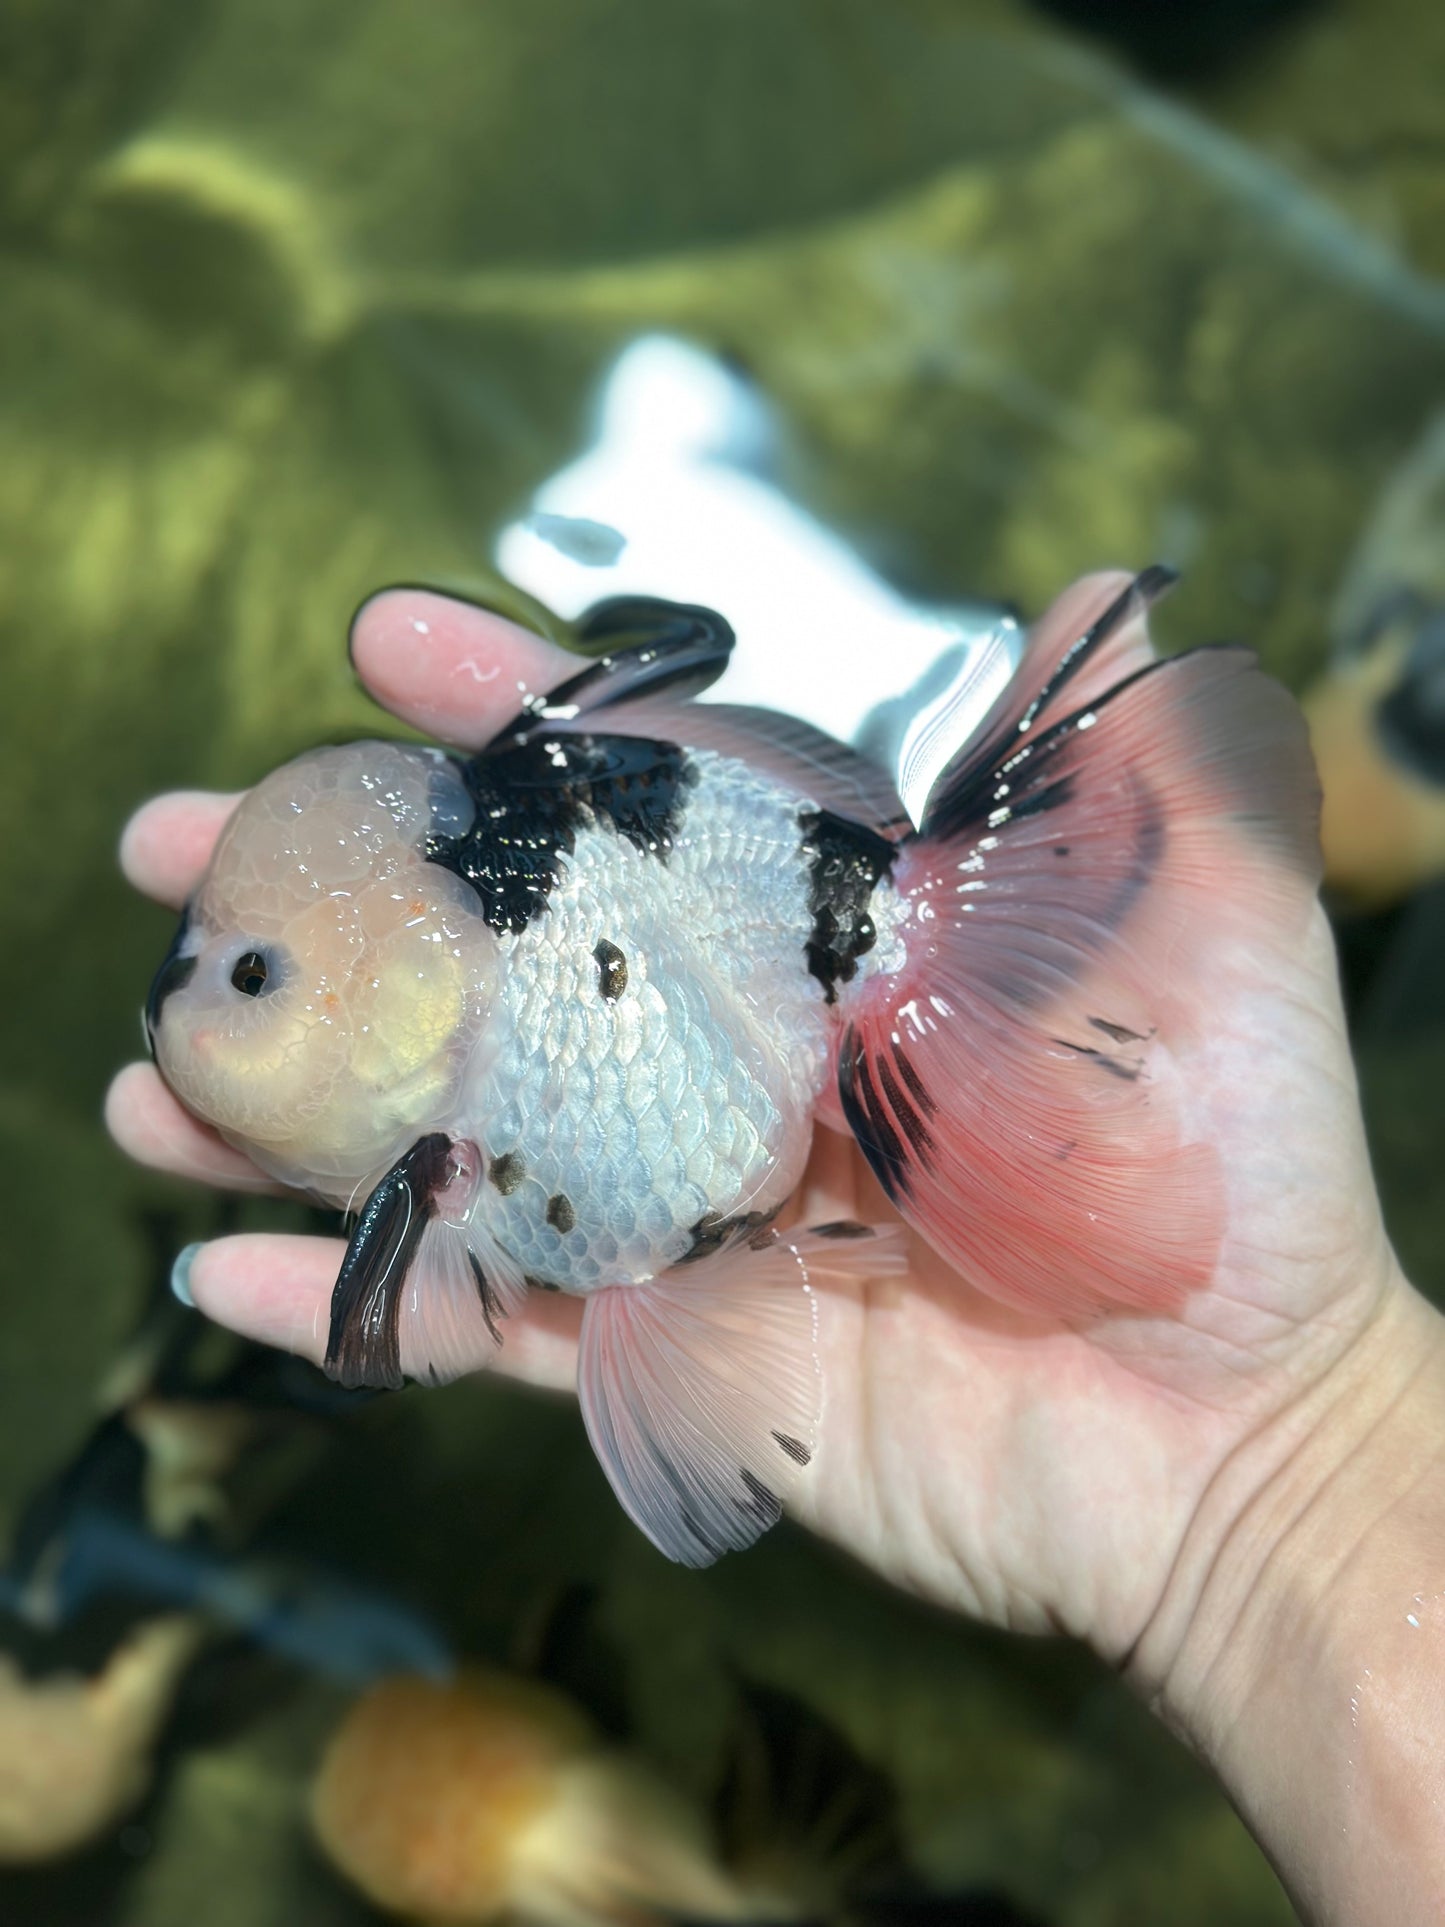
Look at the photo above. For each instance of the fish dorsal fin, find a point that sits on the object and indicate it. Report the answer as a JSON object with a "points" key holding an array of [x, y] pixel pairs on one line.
{"points": [[1096, 869], [794, 754], [1090, 639], [700, 1389], [412, 1298], [662, 654], [654, 647]]}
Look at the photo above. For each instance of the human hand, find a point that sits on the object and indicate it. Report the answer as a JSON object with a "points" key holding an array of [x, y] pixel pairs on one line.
{"points": [[1099, 1481]]}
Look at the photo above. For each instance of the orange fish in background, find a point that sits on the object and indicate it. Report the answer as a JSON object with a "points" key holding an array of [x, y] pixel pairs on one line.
{"points": [[1377, 722]]}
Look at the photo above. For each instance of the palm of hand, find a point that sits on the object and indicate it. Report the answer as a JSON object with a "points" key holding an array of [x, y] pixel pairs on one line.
{"points": [[1036, 1475], [1044, 1478]]}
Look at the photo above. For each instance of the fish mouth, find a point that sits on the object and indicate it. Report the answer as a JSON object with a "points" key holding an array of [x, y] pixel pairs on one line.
{"points": [[176, 970]]}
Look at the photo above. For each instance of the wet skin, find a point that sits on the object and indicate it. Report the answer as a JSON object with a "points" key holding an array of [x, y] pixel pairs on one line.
{"points": [[1116, 1482]]}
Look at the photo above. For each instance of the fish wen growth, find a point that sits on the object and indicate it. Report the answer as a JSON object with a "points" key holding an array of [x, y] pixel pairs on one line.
{"points": [[564, 1013]]}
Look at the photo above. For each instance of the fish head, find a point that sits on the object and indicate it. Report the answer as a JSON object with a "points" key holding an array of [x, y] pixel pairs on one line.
{"points": [[328, 983]]}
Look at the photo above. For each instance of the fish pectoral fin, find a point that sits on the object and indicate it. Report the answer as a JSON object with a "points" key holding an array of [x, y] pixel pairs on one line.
{"points": [[700, 1390], [412, 1298], [460, 1291]]}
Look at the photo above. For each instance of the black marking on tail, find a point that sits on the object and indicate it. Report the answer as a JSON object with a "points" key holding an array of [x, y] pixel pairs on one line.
{"points": [[795, 1448], [1005, 778], [1120, 1033], [363, 1345], [1126, 1072], [532, 798], [845, 862], [867, 1119], [842, 1228]]}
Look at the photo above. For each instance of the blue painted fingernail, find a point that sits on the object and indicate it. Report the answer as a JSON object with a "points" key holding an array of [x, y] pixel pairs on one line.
{"points": [[181, 1274]]}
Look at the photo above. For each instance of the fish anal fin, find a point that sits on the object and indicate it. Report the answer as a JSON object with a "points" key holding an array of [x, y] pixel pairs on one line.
{"points": [[700, 1390]]}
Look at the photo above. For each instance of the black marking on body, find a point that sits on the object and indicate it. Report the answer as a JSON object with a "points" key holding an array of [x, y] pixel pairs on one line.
{"points": [[841, 1228], [1061, 849], [532, 797], [539, 1284], [363, 1345], [845, 861], [611, 970], [714, 1233], [175, 973], [795, 1448], [762, 1502], [507, 1172], [560, 1214]]}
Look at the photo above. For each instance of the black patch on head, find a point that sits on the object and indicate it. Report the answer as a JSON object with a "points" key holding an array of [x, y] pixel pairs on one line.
{"points": [[560, 1214], [175, 972], [713, 1233], [507, 1172], [532, 797], [795, 1448], [845, 861], [611, 970], [842, 1228], [363, 1346]]}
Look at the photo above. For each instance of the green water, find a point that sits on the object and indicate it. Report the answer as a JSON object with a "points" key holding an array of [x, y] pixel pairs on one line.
{"points": [[300, 297]]}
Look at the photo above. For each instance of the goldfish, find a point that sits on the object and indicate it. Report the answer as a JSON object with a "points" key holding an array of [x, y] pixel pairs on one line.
{"points": [[562, 1015]]}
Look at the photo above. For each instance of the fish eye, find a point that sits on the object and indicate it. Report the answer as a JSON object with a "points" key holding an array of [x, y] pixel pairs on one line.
{"points": [[250, 974]]}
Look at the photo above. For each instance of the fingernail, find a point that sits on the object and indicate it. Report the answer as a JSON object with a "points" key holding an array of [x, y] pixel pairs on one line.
{"points": [[181, 1274]]}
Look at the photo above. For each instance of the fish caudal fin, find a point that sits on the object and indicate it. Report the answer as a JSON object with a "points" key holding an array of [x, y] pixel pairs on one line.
{"points": [[700, 1389], [1116, 830]]}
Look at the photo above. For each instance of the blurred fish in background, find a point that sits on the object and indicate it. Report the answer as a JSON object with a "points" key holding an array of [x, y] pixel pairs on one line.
{"points": [[1378, 717], [923, 308]]}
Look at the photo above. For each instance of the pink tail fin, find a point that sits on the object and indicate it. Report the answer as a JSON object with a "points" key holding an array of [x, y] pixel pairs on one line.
{"points": [[700, 1389], [1115, 827]]}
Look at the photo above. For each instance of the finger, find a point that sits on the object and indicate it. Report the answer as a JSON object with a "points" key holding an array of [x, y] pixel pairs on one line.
{"points": [[277, 1290], [458, 672], [149, 1125], [167, 844]]}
